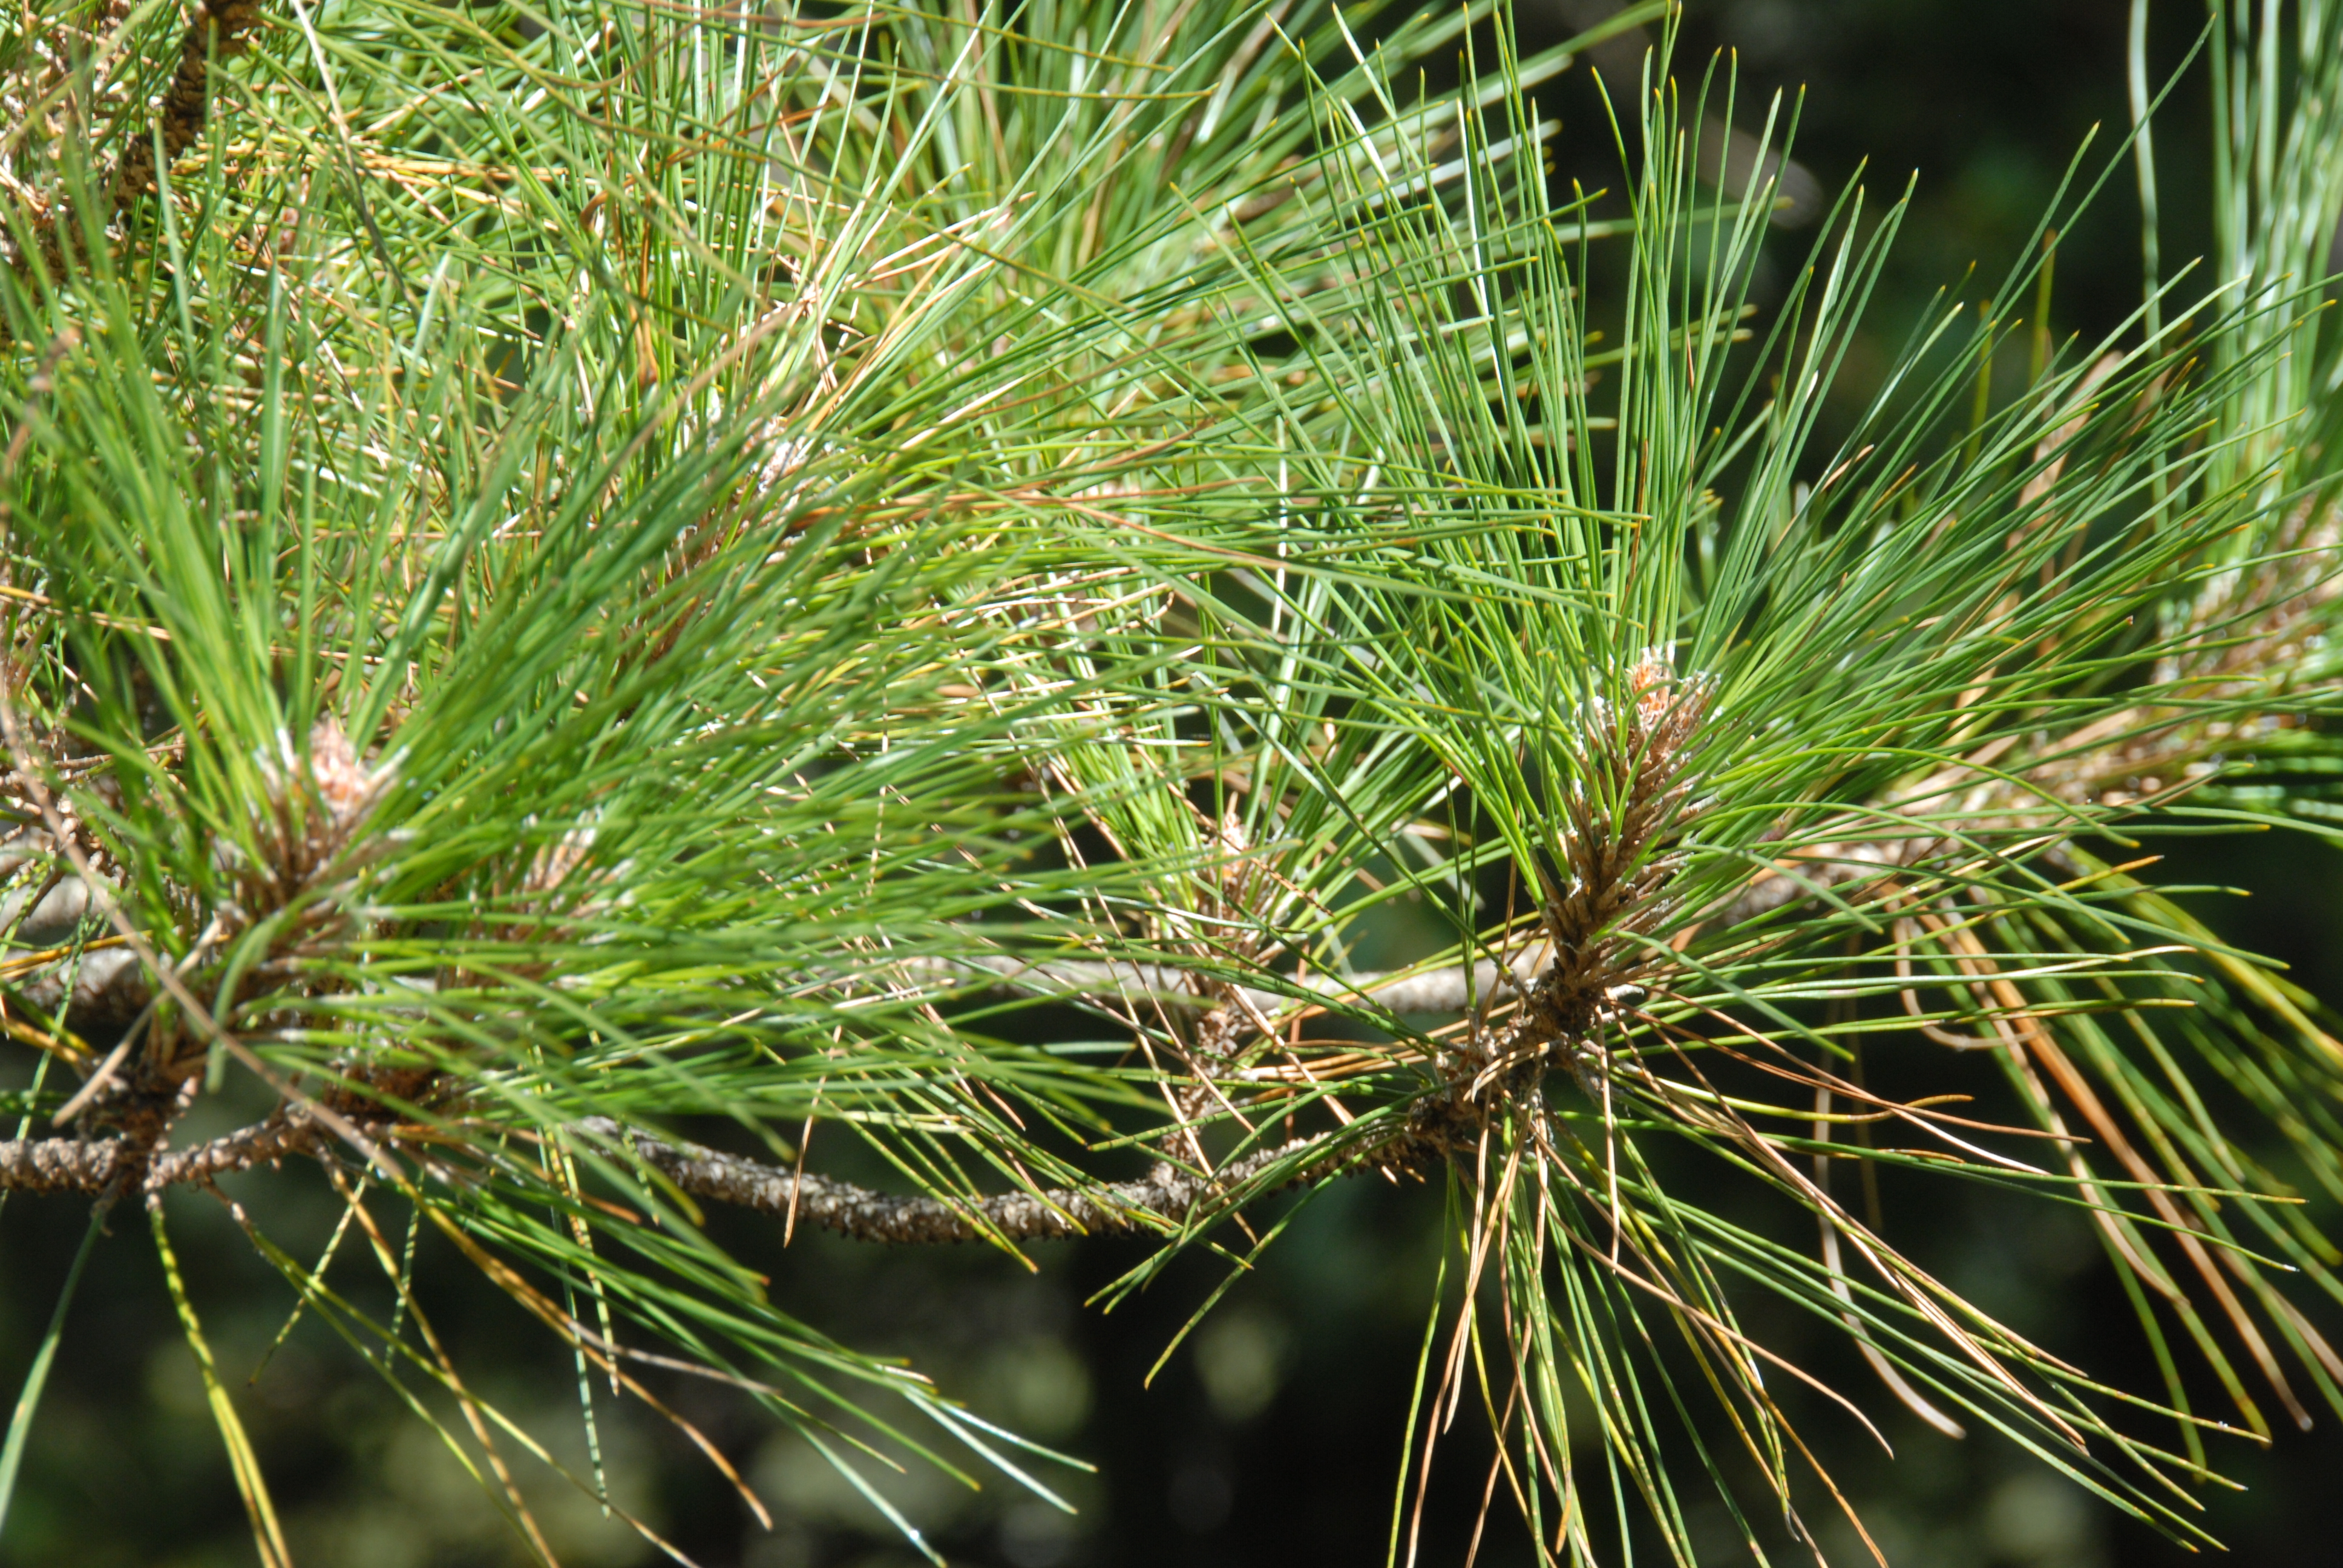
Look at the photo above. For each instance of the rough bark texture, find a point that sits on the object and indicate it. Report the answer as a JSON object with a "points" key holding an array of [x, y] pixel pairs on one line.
{"points": [[93, 1164], [1164, 1200]]}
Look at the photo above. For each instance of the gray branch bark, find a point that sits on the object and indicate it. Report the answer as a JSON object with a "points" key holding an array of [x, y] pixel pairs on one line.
{"points": [[1163, 1201], [93, 1164], [1435, 991]]}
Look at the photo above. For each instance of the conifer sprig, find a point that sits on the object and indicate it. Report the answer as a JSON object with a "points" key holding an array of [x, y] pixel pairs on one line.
{"points": [[603, 599]]}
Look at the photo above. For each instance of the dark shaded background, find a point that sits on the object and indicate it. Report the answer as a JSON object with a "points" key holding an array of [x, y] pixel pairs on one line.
{"points": [[1273, 1436]]}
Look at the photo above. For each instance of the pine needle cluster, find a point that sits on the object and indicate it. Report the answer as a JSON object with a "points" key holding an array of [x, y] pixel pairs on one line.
{"points": [[1604, 913], [608, 610]]}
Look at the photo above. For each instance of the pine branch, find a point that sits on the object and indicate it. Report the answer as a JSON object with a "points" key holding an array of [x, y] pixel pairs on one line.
{"points": [[1165, 1201], [92, 1165], [218, 30], [1441, 990], [110, 988]]}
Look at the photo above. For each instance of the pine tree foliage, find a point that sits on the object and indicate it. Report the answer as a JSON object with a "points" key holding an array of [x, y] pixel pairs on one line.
{"points": [[590, 582]]}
